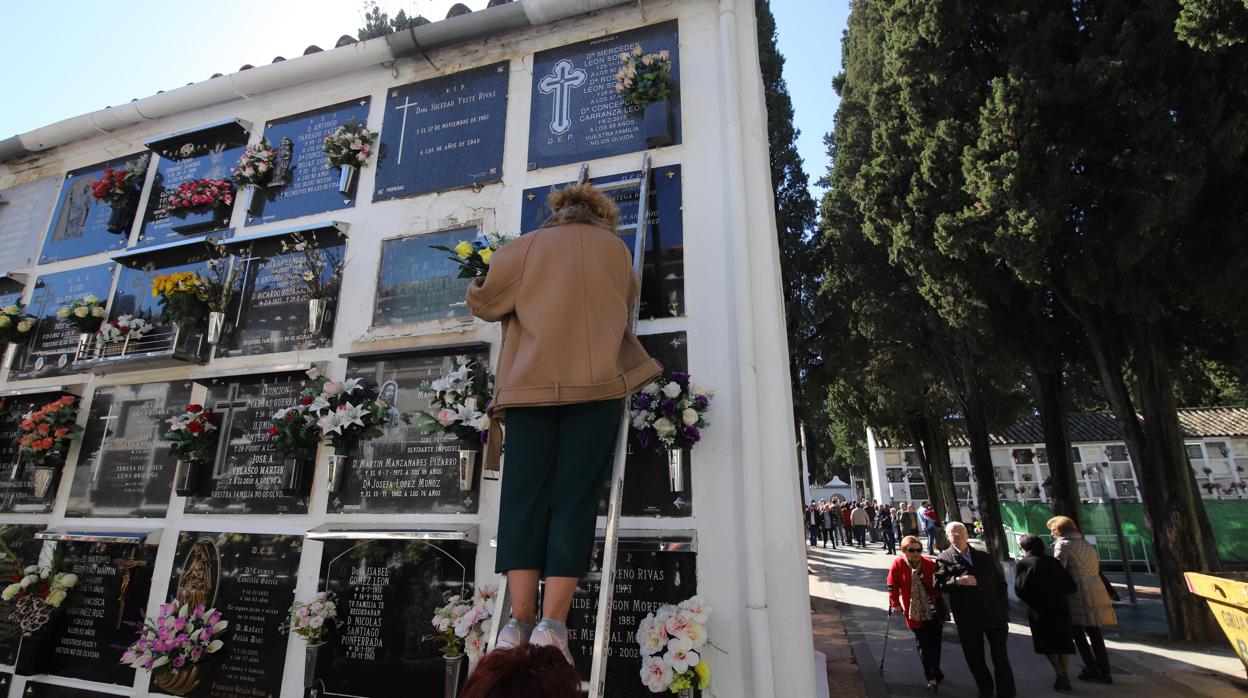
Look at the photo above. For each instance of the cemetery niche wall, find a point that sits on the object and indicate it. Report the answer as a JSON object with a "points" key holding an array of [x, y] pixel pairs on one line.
{"points": [[54, 343], [80, 223], [23, 213], [206, 154]]}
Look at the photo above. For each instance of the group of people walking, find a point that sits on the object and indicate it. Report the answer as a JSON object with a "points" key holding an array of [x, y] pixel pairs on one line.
{"points": [[842, 522], [1066, 598]]}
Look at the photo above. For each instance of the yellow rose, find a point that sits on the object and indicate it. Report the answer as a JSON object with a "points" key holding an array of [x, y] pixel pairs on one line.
{"points": [[464, 249], [486, 254], [704, 675]]}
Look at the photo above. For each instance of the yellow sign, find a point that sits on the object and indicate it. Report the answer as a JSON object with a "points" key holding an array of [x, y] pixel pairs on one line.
{"points": [[1228, 599]]}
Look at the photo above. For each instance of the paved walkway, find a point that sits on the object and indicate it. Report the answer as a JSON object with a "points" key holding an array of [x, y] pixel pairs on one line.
{"points": [[1144, 664]]}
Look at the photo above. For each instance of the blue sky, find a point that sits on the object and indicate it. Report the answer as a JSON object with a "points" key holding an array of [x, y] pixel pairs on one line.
{"points": [[74, 58]]}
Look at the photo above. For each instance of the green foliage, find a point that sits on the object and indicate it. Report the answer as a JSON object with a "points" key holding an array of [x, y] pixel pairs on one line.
{"points": [[1212, 24], [378, 22]]}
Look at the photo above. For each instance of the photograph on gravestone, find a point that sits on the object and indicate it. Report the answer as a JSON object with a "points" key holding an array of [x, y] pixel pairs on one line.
{"points": [[17, 495], [79, 225], [52, 348], [18, 548], [443, 133], [204, 154], [250, 578], [272, 313], [125, 468], [24, 212], [650, 572], [409, 470], [577, 114], [417, 283], [247, 474], [313, 186], [101, 615], [663, 270], [38, 689], [383, 641]]}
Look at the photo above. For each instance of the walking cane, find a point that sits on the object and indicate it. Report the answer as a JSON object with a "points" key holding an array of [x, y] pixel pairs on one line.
{"points": [[888, 625]]}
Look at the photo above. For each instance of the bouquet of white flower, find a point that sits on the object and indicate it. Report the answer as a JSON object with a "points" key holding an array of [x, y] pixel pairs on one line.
{"points": [[670, 413], [15, 324], [459, 623], [311, 620], [36, 594], [346, 413], [672, 641], [124, 326], [84, 314], [459, 400]]}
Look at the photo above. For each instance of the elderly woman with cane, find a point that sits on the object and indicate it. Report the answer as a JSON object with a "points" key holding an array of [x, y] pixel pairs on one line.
{"points": [[569, 359], [912, 592]]}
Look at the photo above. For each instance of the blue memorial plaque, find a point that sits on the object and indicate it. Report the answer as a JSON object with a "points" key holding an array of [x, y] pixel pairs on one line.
{"points": [[50, 351], [23, 214], [419, 284], [443, 133], [313, 187], [209, 153], [663, 270], [79, 225], [576, 114]]}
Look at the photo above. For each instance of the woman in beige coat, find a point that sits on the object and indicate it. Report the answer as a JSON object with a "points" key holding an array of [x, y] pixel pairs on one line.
{"points": [[1090, 606]]}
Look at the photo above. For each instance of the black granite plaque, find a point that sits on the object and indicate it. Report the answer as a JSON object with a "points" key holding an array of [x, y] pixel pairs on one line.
{"points": [[387, 592], [313, 187], [23, 215], [100, 617], [134, 291], [417, 283], [207, 154], [54, 342], [18, 496], [272, 312], [246, 474], [577, 114], [125, 468], [646, 578], [663, 270], [444, 133], [10, 291], [250, 578], [38, 689], [79, 223], [407, 470], [20, 549]]}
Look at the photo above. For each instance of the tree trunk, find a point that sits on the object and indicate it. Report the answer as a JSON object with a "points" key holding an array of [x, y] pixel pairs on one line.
{"points": [[981, 464], [923, 448], [1063, 489], [938, 451]]}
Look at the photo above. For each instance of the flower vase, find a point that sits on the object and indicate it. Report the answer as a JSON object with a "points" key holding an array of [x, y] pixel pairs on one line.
{"points": [[44, 479], [316, 314], [84, 345], [311, 654], [255, 202], [346, 178], [294, 475], [216, 326], [468, 458], [186, 477], [220, 218], [31, 648], [657, 123], [676, 469], [337, 466], [179, 682], [454, 667], [121, 216]]}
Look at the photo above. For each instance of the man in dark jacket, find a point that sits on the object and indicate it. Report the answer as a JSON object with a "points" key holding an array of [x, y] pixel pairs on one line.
{"points": [[978, 597]]}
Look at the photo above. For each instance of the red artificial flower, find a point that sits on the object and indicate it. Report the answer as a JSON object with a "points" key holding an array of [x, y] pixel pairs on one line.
{"points": [[16, 577], [68, 400], [305, 400], [194, 408], [44, 428], [60, 431], [195, 427], [47, 442], [272, 431]]}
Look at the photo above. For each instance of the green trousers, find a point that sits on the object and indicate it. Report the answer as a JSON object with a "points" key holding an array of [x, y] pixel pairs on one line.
{"points": [[557, 459]]}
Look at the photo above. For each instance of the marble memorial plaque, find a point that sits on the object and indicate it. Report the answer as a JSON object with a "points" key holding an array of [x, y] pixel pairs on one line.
{"points": [[407, 470], [23, 214], [250, 578], [387, 590], [313, 187], [20, 549], [51, 350], [443, 133], [101, 615], [18, 496], [646, 578], [38, 689], [79, 223], [207, 154], [417, 283], [125, 468], [577, 115], [663, 270], [246, 476]]}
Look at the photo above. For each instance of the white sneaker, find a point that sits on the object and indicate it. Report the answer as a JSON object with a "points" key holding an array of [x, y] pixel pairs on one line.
{"points": [[545, 636], [512, 636]]}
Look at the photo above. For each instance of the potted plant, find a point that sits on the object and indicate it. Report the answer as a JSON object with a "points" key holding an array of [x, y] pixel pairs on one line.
{"points": [[669, 415], [312, 620], [175, 645], [459, 625], [672, 642], [348, 148], [297, 435], [192, 443], [36, 594], [254, 170], [201, 196], [346, 415], [318, 274], [115, 336], [119, 188], [85, 315], [46, 434], [15, 324], [645, 81], [458, 401]]}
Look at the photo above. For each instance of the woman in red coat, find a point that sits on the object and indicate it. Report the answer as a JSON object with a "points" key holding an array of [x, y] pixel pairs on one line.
{"points": [[912, 592]]}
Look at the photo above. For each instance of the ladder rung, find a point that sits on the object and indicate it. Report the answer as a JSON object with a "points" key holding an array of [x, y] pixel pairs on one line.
{"points": [[622, 184], [630, 226]]}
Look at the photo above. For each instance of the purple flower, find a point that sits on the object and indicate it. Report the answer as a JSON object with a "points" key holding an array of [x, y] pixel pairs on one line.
{"points": [[681, 379], [642, 401], [196, 652], [206, 634], [199, 611], [214, 618], [701, 401], [179, 623], [667, 408], [179, 661], [689, 435], [645, 437]]}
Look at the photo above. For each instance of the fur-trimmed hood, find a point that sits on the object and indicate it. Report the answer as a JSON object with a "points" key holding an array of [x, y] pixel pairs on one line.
{"points": [[582, 203]]}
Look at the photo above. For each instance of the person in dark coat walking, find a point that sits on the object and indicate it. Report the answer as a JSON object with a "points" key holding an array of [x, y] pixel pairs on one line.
{"points": [[1042, 583], [884, 522], [979, 598]]}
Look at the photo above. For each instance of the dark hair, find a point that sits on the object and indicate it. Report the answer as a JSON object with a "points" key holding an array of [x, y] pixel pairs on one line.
{"points": [[1032, 544], [525, 672]]}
